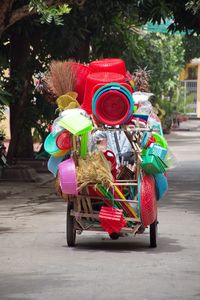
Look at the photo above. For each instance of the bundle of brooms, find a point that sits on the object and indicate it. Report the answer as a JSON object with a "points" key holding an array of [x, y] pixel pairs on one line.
{"points": [[93, 170]]}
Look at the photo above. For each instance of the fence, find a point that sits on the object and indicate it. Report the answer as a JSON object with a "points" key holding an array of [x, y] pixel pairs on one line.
{"points": [[189, 94]]}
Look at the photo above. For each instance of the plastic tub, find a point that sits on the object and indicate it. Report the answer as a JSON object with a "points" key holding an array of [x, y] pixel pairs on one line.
{"points": [[67, 176], [115, 65], [92, 80]]}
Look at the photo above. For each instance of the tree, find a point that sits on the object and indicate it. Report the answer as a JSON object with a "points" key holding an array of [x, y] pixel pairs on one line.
{"points": [[28, 46]]}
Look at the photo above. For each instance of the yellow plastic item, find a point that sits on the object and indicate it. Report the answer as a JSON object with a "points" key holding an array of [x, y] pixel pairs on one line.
{"points": [[67, 101]]}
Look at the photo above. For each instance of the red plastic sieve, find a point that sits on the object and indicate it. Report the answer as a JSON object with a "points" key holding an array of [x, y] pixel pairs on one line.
{"points": [[96, 78], [63, 141], [115, 65], [148, 205], [112, 108]]}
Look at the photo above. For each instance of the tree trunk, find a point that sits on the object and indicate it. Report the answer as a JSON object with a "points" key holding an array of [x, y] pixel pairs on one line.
{"points": [[21, 144]]}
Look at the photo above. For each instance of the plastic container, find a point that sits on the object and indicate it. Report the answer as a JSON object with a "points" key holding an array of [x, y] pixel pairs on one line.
{"points": [[53, 163], [161, 185], [51, 147], [123, 92], [77, 124], [63, 141], [96, 78], [152, 164], [67, 176], [81, 72], [115, 65], [110, 156], [112, 108], [160, 140], [157, 151]]}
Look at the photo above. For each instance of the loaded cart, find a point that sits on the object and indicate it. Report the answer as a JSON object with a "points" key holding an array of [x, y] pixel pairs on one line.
{"points": [[109, 158]]}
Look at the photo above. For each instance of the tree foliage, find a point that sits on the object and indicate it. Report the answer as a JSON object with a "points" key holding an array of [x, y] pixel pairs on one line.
{"points": [[186, 14]]}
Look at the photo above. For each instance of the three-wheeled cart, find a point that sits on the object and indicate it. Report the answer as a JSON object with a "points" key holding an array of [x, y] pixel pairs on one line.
{"points": [[132, 193]]}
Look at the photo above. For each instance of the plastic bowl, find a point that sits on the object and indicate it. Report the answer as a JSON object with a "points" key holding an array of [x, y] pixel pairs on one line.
{"points": [[96, 78], [63, 141], [67, 176], [51, 147], [112, 108]]}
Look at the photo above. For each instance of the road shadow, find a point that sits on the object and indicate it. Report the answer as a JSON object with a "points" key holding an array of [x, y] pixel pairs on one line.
{"points": [[127, 244]]}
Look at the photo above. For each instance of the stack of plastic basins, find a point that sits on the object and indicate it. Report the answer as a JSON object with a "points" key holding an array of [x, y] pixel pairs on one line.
{"points": [[98, 79], [101, 72]]}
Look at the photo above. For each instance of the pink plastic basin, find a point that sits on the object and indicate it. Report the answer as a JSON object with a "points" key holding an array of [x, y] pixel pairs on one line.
{"points": [[67, 175]]}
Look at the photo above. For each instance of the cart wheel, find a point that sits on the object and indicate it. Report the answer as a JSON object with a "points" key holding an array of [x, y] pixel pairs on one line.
{"points": [[70, 229], [114, 235], [153, 234]]}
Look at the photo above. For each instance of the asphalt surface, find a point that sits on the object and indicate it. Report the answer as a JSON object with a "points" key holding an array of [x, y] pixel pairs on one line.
{"points": [[36, 264]]}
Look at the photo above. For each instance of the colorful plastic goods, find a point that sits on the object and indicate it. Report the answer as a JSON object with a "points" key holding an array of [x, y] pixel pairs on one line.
{"points": [[84, 145], [115, 101], [77, 124], [81, 72], [147, 140], [96, 78], [161, 185], [160, 140], [50, 145], [110, 156], [112, 108], [152, 164], [53, 163], [67, 176], [147, 205], [157, 150], [115, 65], [111, 219], [63, 141]]}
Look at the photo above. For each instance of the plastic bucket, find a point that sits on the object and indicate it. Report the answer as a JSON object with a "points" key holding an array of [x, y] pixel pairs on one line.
{"points": [[115, 65], [67, 176], [92, 80], [81, 72]]}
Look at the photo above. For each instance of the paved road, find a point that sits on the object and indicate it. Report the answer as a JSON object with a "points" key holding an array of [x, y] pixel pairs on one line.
{"points": [[35, 263]]}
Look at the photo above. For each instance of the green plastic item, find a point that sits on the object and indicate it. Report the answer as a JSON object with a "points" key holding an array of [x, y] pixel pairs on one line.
{"points": [[160, 140], [77, 124], [152, 164], [84, 145]]}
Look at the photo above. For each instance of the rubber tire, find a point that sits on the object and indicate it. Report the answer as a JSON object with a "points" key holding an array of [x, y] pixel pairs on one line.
{"points": [[114, 236], [153, 234], [70, 229]]}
